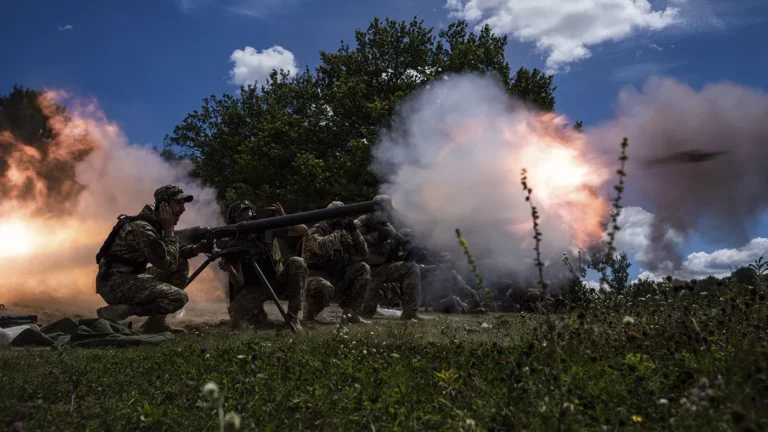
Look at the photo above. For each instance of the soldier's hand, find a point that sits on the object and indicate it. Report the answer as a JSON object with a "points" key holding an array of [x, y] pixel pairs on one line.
{"points": [[225, 266], [278, 209], [165, 216], [203, 246]]}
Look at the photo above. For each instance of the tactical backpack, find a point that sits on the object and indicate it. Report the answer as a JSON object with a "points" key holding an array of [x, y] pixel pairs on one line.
{"points": [[104, 252]]}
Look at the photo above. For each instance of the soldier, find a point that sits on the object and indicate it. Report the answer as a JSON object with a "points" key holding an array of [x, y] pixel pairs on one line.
{"points": [[388, 269], [286, 273], [443, 289], [123, 279], [335, 253]]}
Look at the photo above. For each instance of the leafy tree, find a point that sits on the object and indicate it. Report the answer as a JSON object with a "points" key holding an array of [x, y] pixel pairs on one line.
{"points": [[25, 121], [306, 139], [619, 273]]}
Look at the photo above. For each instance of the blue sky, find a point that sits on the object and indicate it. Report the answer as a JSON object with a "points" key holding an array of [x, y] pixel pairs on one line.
{"points": [[149, 62]]}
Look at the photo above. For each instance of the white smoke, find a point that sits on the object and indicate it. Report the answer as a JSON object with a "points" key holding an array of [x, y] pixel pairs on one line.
{"points": [[453, 158]]}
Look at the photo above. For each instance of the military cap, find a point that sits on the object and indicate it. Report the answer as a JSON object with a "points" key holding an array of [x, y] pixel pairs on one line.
{"points": [[236, 208], [172, 192]]}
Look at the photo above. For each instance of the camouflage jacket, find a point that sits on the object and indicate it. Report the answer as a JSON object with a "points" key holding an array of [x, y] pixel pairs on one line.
{"points": [[379, 251], [321, 240], [139, 241]]}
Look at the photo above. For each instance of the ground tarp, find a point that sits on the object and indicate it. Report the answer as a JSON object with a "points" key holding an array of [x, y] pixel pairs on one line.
{"points": [[92, 332]]}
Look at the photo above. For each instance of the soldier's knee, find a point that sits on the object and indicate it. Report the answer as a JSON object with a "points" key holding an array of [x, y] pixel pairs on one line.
{"points": [[296, 262], [362, 270], [176, 298]]}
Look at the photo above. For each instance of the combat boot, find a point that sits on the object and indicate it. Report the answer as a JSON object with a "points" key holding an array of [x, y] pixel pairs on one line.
{"points": [[114, 313], [157, 324], [296, 323], [307, 312], [408, 315]]}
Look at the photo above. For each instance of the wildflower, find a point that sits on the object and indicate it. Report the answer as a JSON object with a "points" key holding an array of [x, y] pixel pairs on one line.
{"points": [[663, 401], [232, 421], [507, 361], [278, 357], [253, 367], [190, 383], [395, 355], [365, 352], [637, 418], [628, 320], [434, 366], [17, 426], [211, 390], [255, 355], [473, 371], [203, 350]]}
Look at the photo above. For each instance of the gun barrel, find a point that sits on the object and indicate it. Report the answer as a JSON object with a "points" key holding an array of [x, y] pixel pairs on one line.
{"points": [[195, 234]]}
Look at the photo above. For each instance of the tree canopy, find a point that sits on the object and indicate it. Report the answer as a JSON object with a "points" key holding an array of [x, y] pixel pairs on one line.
{"points": [[305, 139]]}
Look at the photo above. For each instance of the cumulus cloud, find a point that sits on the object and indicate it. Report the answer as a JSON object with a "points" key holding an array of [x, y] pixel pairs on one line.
{"points": [[254, 66], [719, 263], [634, 237], [564, 29]]}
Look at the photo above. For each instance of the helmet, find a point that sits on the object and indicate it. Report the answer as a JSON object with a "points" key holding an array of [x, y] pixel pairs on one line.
{"points": [[236, 208]]}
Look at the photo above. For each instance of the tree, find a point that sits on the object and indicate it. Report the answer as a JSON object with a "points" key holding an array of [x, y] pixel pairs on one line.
{"points": [[306, 139], [26, 127], [619, 273]]}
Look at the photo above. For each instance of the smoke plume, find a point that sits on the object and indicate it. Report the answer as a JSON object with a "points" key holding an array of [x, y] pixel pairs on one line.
{"points": [[453, 158], [61, 197], [718, 197]]}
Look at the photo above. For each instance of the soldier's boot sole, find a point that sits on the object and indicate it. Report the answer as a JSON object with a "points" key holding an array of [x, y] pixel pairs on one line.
{"points": [[114, 313]]}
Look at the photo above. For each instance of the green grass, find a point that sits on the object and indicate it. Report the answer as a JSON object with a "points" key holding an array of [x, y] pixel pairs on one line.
{"points": [[445, 373]]}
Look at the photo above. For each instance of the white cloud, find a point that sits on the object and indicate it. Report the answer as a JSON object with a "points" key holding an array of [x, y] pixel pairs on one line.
{"points": [[635, 232], [641, 71], [66, 27], [564, 29], [186, 6], [252, 65], [719, 263]]}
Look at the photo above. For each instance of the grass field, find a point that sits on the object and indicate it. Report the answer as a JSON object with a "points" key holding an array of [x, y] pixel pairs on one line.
{"points": [[652, 359]]}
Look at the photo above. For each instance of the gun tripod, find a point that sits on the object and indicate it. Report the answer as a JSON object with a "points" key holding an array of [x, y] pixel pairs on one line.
{"points": [[250, 255]]}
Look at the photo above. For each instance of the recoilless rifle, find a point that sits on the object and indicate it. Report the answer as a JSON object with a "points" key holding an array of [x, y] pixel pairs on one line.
{"points": [[251, 241]]}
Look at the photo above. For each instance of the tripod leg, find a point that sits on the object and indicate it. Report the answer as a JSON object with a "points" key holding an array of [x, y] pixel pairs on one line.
{"points": [[268, 287], [211, 258]]}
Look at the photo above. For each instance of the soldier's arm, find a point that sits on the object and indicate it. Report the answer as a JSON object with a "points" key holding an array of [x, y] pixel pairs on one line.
{"points": [[161, 251], [358, 248], [187, 251], [370, 236], [322, 245]]}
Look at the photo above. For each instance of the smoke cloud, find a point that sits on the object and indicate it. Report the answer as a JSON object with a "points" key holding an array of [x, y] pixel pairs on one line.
{"points": [[453, 159], [62, 196], [718, 197]]}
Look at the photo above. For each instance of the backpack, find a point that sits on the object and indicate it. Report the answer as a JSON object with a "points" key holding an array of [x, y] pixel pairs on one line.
{"points": [[105, 248]]}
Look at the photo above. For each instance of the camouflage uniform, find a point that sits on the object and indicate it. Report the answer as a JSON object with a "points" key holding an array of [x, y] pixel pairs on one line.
{"points": [[123, 278], [286, 273], [321, 243], [288, 284], [387, 268]]}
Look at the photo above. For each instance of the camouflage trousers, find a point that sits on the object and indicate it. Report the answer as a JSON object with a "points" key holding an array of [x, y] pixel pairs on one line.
{"points": [[446, 291], [289, 284], [153, 292], [404, 275], [350, 293]]}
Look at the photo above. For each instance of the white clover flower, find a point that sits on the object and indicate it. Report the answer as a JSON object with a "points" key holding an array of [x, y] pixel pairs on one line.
{"points": [[365, 352], [211, 390], [628, 320], [663, 401], [232, 420]]}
